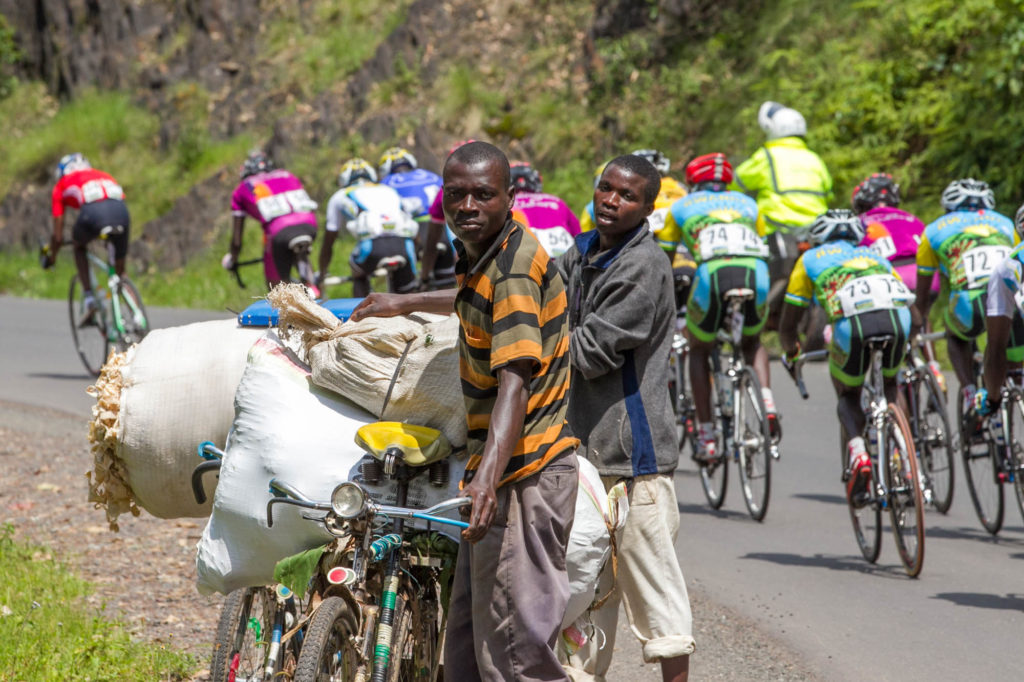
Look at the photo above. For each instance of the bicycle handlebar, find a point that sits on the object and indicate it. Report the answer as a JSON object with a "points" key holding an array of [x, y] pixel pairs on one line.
{"points": [[213, 456], [921, 339], [242, 264], [795, 368], [284, 493]]}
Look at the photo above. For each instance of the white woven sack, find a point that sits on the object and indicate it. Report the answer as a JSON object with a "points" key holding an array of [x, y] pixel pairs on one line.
{"points": [[155, 403], [286, 427], [403, 368]]}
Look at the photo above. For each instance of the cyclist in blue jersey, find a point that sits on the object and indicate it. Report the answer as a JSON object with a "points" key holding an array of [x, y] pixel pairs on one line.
{"points": [[964, 246]]}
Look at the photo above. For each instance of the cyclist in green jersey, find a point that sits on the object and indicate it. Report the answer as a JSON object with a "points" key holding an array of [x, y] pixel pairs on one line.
{"points": [[864, 298]]}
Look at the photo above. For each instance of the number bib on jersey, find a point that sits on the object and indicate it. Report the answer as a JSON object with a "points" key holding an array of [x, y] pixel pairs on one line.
{"points": [[976, 265], [729, 239], [873, 292], [885, 247], [277, 205], [555, 240], [98, 190]]}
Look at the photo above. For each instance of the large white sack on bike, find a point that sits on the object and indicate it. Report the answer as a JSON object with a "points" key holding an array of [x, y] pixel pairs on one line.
{"points": [[589, 546], [154, 404], [289, 428], [403, 368]]}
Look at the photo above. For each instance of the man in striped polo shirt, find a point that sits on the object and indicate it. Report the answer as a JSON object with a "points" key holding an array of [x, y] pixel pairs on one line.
{"points": [[511, 588]]}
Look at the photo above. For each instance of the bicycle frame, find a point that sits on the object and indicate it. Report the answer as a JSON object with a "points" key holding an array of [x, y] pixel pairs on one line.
{"points": [[117, 330]]}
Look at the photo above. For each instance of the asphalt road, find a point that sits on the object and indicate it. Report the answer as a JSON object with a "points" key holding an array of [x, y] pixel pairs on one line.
{"points": [[798, 576]]}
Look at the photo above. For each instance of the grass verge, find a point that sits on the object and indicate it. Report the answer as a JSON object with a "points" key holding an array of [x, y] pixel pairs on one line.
{"points": [[49, 633]]}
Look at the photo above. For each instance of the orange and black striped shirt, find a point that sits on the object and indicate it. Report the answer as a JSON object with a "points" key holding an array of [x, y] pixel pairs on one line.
{"points": [[512, 306]]}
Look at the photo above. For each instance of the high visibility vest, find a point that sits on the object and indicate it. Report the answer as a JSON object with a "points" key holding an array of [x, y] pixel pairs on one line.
{"points": [[790, 182]]}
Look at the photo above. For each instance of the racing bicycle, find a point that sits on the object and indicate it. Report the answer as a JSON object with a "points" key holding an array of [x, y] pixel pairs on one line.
{"points": [[120, 319], [742, 429], [300, 247], [895, 480], [929, 422]]}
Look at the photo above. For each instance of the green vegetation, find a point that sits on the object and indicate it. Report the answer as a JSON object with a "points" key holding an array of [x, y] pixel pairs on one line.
{"points": [[50, 633]]}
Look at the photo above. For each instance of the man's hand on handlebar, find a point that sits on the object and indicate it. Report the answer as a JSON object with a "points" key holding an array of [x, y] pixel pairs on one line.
{"points": [[229, 262]]}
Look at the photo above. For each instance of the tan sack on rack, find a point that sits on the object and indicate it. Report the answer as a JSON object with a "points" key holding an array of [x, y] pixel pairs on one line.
{"points": [[403, 368], [154, 404]]}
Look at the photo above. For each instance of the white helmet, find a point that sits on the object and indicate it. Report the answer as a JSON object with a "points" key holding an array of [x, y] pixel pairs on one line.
{"points": [[1018, 221], [657, 159], [778, 121], [968, 193], [837, 224], [69, 163]]}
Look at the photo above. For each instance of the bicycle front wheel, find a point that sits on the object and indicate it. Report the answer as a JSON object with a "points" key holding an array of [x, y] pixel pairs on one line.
{"points": [[979, 457], [905, 501], [328, 649], [243, 635], [131, 314], [753, 440], [934, 447], [88, 334], [866, 520]]}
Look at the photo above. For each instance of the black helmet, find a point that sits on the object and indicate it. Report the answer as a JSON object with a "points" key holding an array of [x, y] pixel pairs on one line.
{"points": [[525, 177], [257, 162], [877, 188]]}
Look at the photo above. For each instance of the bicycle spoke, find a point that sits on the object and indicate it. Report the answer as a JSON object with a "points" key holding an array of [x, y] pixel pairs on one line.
{"points": [[753, 441], [978, 455]]}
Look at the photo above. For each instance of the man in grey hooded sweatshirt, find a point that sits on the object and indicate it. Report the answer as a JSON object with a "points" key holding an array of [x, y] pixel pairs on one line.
{"points": [[621, 324]]}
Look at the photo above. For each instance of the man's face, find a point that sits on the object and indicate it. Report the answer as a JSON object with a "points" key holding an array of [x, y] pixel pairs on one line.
{"points": [[476, 202], [619, 204]]}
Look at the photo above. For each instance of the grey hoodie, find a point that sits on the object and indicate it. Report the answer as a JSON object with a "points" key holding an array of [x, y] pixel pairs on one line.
{"points": [[621, 322]]}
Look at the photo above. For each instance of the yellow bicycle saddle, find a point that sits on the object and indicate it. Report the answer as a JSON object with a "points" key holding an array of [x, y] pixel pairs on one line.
{"points": [[420, 445]]}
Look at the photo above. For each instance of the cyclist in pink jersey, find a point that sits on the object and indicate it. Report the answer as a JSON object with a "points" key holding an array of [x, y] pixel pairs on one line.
{"points": [[278, 201], [548, 217], [893, 232]]}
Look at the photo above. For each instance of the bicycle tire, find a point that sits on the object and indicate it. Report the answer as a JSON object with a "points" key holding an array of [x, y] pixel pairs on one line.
{"points": [[91, 341], [935, 446], [134, 319], [682, 408], [866, 520], [754, 446], [979, 460], [905, 501], [331, 632], [1017, 450], [242, 642], [714, 475]]}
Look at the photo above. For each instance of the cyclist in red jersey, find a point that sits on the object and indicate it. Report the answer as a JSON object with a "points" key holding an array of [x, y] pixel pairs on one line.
{"points": [[100, 203]]}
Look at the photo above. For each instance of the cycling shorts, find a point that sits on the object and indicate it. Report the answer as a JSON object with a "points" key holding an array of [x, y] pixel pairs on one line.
{"points": [[368, 254], [705, 309], [92, 218], [848, 357], [964, 317], [278, 258]]}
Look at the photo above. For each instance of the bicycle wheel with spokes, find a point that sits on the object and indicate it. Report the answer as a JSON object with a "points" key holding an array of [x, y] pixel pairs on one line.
{"points": [[979, 458], [714, 474], [243, 635], [682, 406], [867, 519], [89, 336], [754, 444], [1016, 463], [132, 313], [906, 503], [935, 443], [329, 650]]}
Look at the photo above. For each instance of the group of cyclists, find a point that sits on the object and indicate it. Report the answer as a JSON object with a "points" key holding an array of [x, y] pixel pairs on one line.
{"points": [[763, 226]]}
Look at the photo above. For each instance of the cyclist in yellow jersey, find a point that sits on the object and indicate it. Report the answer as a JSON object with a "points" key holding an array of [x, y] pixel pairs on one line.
{"points": [[792, 187]]}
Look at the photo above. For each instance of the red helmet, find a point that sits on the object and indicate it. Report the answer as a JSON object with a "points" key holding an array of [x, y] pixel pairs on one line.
{"points": [[709, 168]]}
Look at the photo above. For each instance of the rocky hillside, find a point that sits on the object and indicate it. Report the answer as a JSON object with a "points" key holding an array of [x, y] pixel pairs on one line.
{"points": [[925, 90]]}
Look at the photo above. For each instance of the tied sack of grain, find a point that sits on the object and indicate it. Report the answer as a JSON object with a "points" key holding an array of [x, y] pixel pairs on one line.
{"points": [[293, 430], [154, 404], [403, 368]]}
